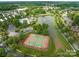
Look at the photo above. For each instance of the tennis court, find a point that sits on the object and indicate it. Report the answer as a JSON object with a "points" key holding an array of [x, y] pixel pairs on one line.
{"points": [[37, 41]]}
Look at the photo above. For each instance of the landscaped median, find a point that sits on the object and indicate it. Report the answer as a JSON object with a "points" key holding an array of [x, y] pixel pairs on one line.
{"points": [[65, 40]]}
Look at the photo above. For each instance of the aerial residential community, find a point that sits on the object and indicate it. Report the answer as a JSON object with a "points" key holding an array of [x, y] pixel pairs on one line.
{"points": [[39, 29]]}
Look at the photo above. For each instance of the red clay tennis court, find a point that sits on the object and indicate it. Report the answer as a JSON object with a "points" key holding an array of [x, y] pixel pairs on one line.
{"points": [[36, 41]]}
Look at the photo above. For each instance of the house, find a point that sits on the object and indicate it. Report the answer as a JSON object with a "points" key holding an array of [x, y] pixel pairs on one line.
{"points": [[1, 20], [22, 20], [28, 29]]}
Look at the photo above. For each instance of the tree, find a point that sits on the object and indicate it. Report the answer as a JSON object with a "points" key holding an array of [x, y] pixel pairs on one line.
{"points": [[41, 29], [22, 35], [76, 20], [25, 24], [2, 52]]}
